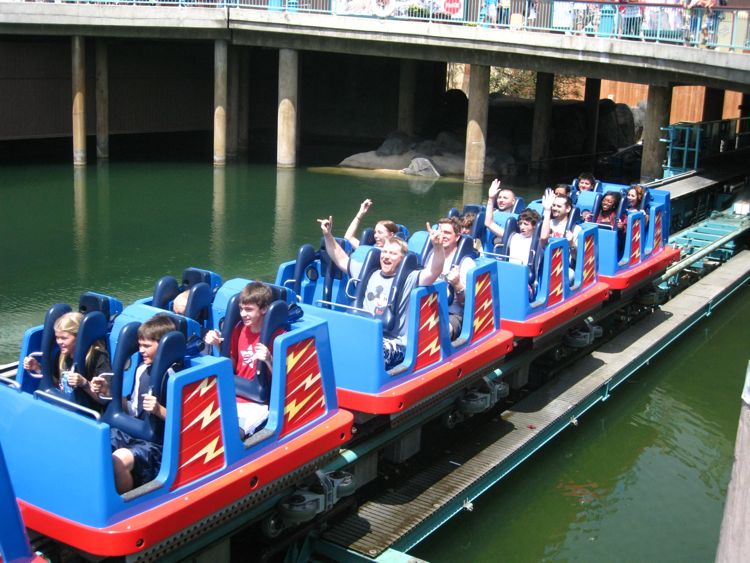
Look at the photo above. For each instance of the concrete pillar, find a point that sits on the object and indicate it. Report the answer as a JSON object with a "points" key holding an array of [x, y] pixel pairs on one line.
{"points": [[233, 103], [407, 84], [591, 103], [657, 116], [78, 79], [102, 100], [476, 128], [744, 108], [713, 104], [220, 102], [243, 111], [745, 105], [286, 140], [540, 130]]}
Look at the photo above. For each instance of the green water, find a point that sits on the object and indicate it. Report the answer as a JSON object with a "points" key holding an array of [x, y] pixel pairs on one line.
{"points": [[117, 228], [642, 478]]}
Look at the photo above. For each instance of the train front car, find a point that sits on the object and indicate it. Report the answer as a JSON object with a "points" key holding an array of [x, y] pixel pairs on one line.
{"points": [[645, 252], [60, 456]]}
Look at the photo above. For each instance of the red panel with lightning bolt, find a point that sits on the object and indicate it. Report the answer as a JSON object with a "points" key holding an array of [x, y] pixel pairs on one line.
{"points": [[635, 243], [428, 347], [556, 277], [305, 399], [657, 232], [483, 317], [589, 261], [201, 443]]}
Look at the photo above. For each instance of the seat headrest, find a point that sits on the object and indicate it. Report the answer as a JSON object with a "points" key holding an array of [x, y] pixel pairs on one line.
{"points": [[165, 291], [90, 301], [192, 276], [306, 255]]}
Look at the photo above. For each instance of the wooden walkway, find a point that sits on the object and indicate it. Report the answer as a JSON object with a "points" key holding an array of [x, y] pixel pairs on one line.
{"points": [[400, 517]]}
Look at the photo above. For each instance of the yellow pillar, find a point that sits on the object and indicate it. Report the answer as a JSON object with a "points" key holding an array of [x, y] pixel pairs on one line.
{"points": [[220, 102], [78, 79], [286, 140], [476, 127]]}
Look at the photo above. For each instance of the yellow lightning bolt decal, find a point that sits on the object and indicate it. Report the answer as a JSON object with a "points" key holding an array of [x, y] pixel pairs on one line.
{"points": [[430, 321], [481, 321], [292, 359], [482, 282], [209, 451], [432, 348], [205, 385], [306, 383], [206, 417], [557, 270], [293, 407]]}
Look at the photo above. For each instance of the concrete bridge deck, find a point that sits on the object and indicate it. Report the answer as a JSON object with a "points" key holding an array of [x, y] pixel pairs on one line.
{"points": [[617, 59]]}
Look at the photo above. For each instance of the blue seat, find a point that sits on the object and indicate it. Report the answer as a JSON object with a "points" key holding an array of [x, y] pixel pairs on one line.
{"points": [[589, 201], [167, 287], [503, 249], [94, 327], [171, 354], [108, 306], [258, 389], [198, 306], [390, 316], [368, 235]]}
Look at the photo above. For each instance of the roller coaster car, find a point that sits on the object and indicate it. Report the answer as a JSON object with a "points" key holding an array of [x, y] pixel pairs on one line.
{"points": [[60, 458], [432, 361], [553, 300], [646, 252]]}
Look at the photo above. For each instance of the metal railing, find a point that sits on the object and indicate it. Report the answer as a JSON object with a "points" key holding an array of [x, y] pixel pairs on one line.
{"points": [[689, 143], [671, 23]]}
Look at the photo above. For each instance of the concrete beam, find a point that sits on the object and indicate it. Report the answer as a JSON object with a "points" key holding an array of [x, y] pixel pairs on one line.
{"points": [[233, 90], [657, 116], [713, 104], [476, 128], [407, 85], [78, 83], [286, 141], [220, 102], [102, 100], [542, 119], [591, 102]]}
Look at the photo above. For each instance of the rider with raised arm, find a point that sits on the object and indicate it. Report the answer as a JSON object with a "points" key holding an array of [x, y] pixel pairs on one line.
{"points": [[501, 199], [378, 291], [383, 230]]}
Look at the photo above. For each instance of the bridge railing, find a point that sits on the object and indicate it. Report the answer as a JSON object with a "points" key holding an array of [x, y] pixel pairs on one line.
{"points": [[669, 22]]}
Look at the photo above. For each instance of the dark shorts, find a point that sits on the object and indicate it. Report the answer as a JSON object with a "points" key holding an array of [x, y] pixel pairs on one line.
{"points": [[456, 322], [147, 455]]}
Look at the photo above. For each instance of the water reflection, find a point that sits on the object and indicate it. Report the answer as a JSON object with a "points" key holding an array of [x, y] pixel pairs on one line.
{"points": [[283, 224], [420, 185], [80, 221], [218, 217], [103, 202]]}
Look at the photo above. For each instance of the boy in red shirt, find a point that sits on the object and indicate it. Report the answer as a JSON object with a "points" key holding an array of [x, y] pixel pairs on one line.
{"points": [[246, 350]]}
